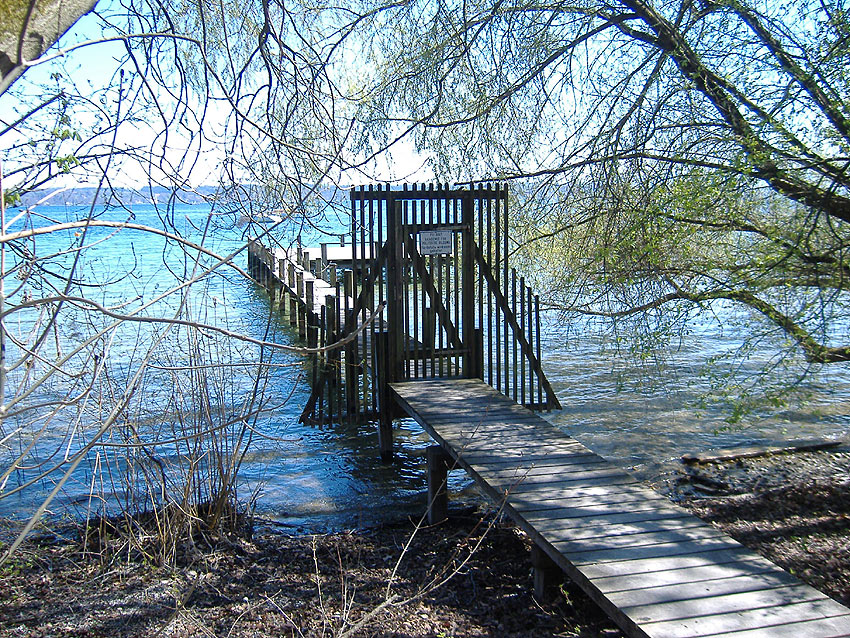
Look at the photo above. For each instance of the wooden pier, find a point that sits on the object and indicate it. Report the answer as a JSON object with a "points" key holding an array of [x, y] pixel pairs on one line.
{"points": [[433, 324], [654, 568]]}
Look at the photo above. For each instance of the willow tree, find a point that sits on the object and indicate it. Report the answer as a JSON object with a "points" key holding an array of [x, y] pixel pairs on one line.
{"points": [[675, 154]]}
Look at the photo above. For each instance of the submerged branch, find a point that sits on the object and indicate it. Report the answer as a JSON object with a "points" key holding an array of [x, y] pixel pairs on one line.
{"points": [[815, 352]]}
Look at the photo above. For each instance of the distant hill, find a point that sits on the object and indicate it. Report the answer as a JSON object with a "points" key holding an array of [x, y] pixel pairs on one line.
{"points": [[156, 195], [84, 195]]}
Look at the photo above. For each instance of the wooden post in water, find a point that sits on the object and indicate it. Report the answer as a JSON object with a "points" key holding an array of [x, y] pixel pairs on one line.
{"points": [[477, 355], [438, 493], [309, 299], [351, 362], [302, 319], [312, 342], [281, 280], [260, 268], [389, 344], [382, 341], [293, 302], [331, 355]]}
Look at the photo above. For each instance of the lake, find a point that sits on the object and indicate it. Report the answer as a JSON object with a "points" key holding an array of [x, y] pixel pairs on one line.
{"points": [[304, 477]]}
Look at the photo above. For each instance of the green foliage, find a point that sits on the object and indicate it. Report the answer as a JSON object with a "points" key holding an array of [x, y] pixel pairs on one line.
{"points": [[66, 163], [12, 197], [677, 161]]}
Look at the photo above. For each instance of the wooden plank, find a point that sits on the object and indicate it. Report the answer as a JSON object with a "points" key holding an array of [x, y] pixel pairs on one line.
{"points": [[515, 439], [560, 490], [566, 486], [767, 619], [609, 513], [496, 424], [685, 591], [569, 469], [465, 399], [508, 433], [561, 464], [648, 539], [591, 527], [462, 447], [464, 404], [834, 627], [514, 444], [692, 575], [634, 565], [588, 529], [449, 417], [519, 460], [548, 481], [583, 496], [661, 550], [723, 608], [529, 506]]}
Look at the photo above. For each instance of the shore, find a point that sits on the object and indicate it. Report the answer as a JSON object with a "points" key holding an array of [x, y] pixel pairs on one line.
{"points": [[469, 576], [794, 509]]}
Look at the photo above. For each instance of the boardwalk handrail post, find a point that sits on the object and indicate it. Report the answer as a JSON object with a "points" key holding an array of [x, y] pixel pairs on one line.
{"points": [[477, 355], [395, 292], [351, 354], [388, 343], [429, 328], [470, 344], [293, 303], [312, 342], [302, 317], [309, 300]]}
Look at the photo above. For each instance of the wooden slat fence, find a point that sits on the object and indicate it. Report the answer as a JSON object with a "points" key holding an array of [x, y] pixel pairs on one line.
{"points": [[437, 258]]}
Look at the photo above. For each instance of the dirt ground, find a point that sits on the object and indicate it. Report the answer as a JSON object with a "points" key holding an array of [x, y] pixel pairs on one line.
{"points": [[469, 576], [792, 508]]}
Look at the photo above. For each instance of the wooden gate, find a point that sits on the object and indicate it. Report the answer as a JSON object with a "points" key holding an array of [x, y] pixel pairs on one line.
{"points": [[434, 261]]}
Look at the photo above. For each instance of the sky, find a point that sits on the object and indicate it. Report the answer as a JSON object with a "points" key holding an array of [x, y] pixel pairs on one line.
{"points": [[87, 69]]}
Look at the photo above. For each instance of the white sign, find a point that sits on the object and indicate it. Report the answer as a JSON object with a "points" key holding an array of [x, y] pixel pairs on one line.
{"points": [[435, 242]]}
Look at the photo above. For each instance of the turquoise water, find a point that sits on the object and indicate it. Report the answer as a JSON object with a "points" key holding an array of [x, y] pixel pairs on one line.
{"points": [[304, 476], [307, 477], [646, 415]]}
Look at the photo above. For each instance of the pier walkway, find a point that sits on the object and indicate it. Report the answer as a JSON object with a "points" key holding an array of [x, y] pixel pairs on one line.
{"points": [[428, 318], [654, 568]]}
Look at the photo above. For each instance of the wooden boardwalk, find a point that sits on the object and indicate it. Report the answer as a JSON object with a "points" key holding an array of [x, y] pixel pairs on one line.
{"points": [[654, 568]]}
